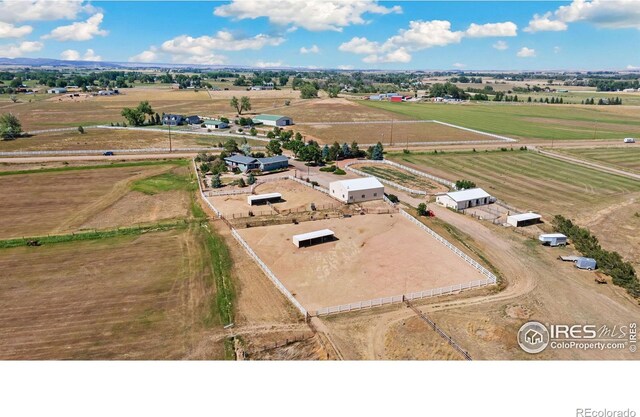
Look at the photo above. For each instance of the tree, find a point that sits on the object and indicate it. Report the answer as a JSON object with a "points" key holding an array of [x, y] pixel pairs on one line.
{"points": [[377, 152], [205, 167], [13, 98], [355, 150], [465, 184], [10, 127], [273, 147], [333, 91], [346, 152], [235, 104], [325, 152], [335, 151], [295, 146], [81, 130], [422, 209], [283, 80], [245, 149], [230, 146], [253, 131], [245, 103], [134, 116], [308, 90], [157, 119], [216, 182], [251, 179], [145, 108], [241, 183]]}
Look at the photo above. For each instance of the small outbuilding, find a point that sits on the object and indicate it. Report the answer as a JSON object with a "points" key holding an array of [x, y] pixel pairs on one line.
{"points": [[248, 163], [553, 239], [524, 219], [357, 190], [57, 90], [273, 120], [254, 200], [313, 238], [460, 200], [215, 124]]}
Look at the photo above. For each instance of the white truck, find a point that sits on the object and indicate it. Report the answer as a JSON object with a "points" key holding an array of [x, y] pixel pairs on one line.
{"points": [[629, 140]]}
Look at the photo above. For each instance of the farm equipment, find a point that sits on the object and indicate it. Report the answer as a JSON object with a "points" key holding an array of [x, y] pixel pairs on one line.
{"points": [[33, 243]]}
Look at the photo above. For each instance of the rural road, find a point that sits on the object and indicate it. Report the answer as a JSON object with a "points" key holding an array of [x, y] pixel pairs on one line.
{"points": [[115, 158]]}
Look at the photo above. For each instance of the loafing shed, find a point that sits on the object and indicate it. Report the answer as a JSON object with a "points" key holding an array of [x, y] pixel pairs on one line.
{"points": [[524, 219], [254, 200], [313, 238]]}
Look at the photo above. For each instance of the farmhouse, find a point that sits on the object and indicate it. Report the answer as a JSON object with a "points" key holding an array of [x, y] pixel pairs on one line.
{"points": [[215, 124], [248, 163], [357, 190], [312, 238], [172, 119], [58, 90], [273, 120], [265, 86], [524, 219], [460, 200]]}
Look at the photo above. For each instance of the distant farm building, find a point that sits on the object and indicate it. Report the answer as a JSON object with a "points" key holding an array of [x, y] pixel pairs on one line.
{"points": [[57, 90], [313, 238], [460, 200], [357, 190], [215, 124], [193, 120], [553, 239], [172, 119], [273, 120], [107, 92], [524, 219], [248, 163], [265, 86], [254, 200]]}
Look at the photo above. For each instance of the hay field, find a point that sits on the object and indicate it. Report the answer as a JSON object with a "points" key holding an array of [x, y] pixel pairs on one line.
{"points": [[627, 157], [64, 200], [527, 180], [524, 121], [82, 300], [401, 177]]}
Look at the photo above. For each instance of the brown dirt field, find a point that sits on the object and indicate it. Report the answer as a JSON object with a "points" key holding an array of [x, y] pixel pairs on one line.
{"points": [[402, 133], [59, 202], [352, 268], [336, 110], [81, 300], [296, 196]]}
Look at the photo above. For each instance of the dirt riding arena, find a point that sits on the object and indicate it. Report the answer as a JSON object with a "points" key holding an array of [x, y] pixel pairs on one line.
{"points": [[374, 256], [295, 197]]}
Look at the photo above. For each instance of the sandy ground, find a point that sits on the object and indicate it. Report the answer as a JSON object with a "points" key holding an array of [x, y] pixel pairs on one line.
{"points": [[296, 197], [374, 256]]}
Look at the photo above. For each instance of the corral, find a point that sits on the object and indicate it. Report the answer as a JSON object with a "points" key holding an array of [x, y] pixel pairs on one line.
{"points": [[295, 196], [375, 256], [402, 177]]}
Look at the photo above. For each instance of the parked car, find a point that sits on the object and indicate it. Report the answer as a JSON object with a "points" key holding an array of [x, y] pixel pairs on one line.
{"points": [[108, 153], [629, 140]]}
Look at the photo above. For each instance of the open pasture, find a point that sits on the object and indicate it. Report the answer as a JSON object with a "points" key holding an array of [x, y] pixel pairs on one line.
{"points": [[401, 177], [627, 157], [82, 300], [64, 200], [523, 121], [527, 180], [374, 256], [337, 110]]}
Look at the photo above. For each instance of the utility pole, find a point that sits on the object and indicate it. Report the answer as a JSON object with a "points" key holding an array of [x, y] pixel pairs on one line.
{"points": [[170, 148], [391, 138]]}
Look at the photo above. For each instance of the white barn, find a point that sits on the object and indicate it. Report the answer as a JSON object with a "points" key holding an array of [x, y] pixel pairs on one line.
{"points": [[357, 190], [460, 200], [273, 120]]}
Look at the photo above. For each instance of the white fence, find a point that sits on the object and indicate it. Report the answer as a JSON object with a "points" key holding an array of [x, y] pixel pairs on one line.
{"points": [[347, 166], [183, 132], [405, 168], [308, 184], [101, 151], [502, 138], [204, 198], [269, 274]]}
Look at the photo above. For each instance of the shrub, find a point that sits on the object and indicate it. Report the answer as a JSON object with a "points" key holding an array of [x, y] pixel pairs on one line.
{"points": [[393, 198], [422, 209], [339, 171], [330, 168]]}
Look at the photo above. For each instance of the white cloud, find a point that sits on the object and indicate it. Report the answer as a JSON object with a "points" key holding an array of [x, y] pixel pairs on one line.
{"points": [[312, 50], [458, 65], [345, 67], [8, 30], [399, 55], [150, 55], [223, 40], [525, 52], [556, 49], [500, 46], [360, 46], [18, 50], [632, 68], [425, 34], [610, 14], [79, 31], [263, 64], [73, 55], [544, 23], [30, 10], [313, 15], [492, 30]]}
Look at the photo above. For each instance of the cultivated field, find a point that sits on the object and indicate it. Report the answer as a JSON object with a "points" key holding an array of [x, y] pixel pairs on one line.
{"points": [[627, 157], [337, 110], [133, 297], [527, 121], [295, 197], [529, 181], [63, 200], [401, 177], [374, 256]]}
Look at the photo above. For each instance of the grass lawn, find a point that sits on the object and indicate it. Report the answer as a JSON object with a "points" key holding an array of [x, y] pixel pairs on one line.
{"points": [[527, 121], [527, 180]]}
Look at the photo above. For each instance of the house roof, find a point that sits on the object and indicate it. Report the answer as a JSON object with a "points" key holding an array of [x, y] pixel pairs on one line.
{"points": [[240, 159], [361, 184], [264, 196], [551, 235], [525, 216], [173, 115], [213, 122], [272, 117], [466, 195], [273, 159]]}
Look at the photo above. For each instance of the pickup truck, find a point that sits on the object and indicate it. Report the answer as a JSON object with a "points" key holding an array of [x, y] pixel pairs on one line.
{"points": [[108, 153]]}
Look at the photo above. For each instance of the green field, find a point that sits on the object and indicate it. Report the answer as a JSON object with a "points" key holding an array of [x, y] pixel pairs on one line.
{"points": [[559, 122], [625, 158], [398, 176], [527, 180]]}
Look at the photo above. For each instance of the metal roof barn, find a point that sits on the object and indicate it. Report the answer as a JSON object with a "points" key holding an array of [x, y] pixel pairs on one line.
{"points": [[312, 238], [460, 200], [524, 219], [263, 198], [357, 190]]}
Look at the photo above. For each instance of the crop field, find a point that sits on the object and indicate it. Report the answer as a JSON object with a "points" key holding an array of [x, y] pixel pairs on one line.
{"points": [[401, 177], [62, 200], [80, 300], [397, 134], [374, 256], [625, 158], [337, 110], [527, 121], [527, 180]]}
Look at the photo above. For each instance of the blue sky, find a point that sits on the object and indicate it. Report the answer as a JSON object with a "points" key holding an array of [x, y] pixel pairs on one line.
{"points": [[582, 34]]}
